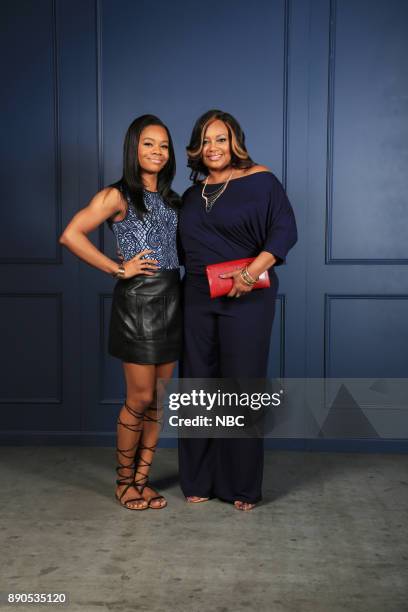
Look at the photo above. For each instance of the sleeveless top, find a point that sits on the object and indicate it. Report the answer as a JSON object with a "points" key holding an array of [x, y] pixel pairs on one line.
{"points": [[156, 231]]}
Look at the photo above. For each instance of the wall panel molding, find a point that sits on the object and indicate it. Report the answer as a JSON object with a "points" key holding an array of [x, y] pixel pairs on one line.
{"points": [[59, 350], [55, 62], [328, 300], [330, 260], [99, 109], [281, 298], [102, 352], [286, 39]]}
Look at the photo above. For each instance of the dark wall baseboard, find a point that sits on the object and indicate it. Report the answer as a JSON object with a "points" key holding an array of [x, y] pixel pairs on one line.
{"points": [[93, 438]]}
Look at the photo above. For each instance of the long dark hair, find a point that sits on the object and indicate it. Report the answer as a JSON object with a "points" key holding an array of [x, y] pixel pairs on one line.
{"points": [[130, 185], [239, 155]]}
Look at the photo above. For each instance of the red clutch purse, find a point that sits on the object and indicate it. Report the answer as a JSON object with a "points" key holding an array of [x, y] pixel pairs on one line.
{"points": [[222, 286]]}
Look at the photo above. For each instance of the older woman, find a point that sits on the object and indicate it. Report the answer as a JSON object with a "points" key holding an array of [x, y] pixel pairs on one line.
{"points": [[235, 209]]}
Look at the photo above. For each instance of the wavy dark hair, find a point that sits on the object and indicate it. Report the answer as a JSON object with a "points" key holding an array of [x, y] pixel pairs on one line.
{"points": [[239, 155], [130, 185]]}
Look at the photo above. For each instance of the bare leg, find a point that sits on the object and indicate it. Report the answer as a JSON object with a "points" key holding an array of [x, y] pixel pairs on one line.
{"points": [[148, 442], [140, 385]]}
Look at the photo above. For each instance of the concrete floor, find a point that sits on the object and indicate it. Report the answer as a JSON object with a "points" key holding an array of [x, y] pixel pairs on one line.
{"points": [[330, 536]]}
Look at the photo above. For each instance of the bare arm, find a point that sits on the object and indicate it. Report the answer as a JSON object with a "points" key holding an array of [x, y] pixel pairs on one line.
{"points": [[104, 205], [261, 263]]}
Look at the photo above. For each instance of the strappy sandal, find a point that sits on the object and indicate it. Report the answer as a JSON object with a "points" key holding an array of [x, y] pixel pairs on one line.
{"points": [[199, 500], [130, 500], [143, 481], [141, 487], [129, 454], [239, 507]]}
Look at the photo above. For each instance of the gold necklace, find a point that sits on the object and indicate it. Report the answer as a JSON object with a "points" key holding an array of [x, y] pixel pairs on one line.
{"points": [[211, 198]]}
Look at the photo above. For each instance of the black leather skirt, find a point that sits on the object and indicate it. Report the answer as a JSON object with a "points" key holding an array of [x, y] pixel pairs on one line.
{"points": [[146, 325]]}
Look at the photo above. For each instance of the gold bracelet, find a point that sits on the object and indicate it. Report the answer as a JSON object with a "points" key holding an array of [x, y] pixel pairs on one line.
{"points": [[120, 273], [246, 280], [249, 276]]}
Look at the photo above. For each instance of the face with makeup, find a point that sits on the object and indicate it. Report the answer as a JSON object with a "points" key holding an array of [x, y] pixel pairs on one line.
{"points": [[153, 149], [216, 152]]}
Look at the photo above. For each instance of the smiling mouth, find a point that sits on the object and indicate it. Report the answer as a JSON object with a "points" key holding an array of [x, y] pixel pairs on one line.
{"points": [[155, 161], [214, 157]]}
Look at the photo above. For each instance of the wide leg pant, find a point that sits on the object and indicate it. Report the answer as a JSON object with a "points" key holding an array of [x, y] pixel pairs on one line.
{"points": [[224, 338]]}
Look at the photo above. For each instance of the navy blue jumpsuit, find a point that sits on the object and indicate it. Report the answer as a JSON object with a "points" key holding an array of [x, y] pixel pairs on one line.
{"points": [[227, 337]]}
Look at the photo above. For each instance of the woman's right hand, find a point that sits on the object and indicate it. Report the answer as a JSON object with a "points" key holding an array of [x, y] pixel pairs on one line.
{"points": [[137, 265]]}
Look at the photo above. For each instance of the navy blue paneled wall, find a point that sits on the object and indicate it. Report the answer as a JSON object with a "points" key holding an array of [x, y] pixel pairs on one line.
{"points": [[320, 88]]}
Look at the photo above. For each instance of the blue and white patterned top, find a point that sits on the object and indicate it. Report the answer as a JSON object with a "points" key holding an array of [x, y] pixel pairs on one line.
{"points": [[157, 231]]}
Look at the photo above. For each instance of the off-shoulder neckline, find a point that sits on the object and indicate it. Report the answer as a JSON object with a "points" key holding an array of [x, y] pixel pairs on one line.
{"points": [[238, 178]]}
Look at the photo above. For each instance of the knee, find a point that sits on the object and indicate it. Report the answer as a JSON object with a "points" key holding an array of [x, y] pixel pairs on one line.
{"points": [[141, 400]]}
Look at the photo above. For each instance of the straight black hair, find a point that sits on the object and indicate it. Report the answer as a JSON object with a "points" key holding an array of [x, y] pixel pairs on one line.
{"points": [[130, 185], [239, 155]]}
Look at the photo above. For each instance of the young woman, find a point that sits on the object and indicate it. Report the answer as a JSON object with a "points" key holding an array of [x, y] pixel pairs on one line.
{"points": [[145, 328], [235, 209]]}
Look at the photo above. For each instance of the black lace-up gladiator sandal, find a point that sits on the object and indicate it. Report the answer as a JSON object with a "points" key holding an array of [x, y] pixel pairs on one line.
{"points": [[143, 481], [128, 454]]}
